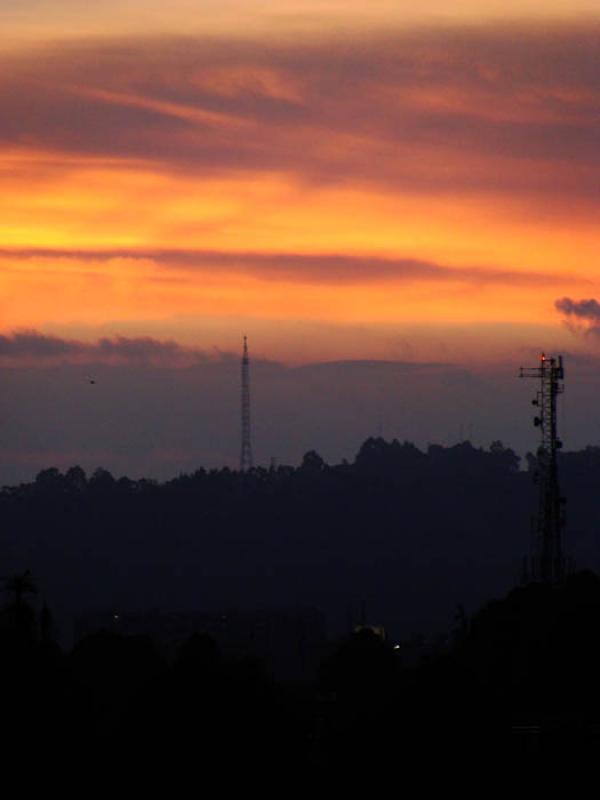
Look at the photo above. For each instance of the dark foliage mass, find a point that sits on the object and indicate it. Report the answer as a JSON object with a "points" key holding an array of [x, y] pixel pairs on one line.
{"points": [[406, 534]]}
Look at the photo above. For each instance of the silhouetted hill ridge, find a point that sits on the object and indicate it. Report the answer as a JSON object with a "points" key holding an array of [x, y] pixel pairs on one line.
{"points": [[408, 534]]}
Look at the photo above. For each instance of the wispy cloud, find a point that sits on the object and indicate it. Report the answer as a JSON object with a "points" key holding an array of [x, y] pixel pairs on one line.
{"points": [[327, 111], [318, 268]]}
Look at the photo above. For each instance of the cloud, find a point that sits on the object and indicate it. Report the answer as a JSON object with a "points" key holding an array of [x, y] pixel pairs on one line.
{"points": [[32, 346], [430, 111], [584, 309], [318, 268], [586, 314]]}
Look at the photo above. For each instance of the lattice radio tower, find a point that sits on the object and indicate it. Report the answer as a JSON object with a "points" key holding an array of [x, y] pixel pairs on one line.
{"points": [[246, 451], [548, 559]]}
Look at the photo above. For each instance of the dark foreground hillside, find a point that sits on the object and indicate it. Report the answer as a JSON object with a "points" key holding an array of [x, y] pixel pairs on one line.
{"points": [[516, 683]]}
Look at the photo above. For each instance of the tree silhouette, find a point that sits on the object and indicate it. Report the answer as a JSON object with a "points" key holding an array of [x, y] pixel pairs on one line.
{"points": [[20, 615], [20, 585]]}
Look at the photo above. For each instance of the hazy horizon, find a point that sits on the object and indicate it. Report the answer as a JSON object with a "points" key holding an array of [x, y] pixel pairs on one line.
{"points": [[156, 410], [340, 183]]}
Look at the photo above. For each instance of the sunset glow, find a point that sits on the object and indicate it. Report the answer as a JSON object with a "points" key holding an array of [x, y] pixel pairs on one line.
{"points": [[432, 172]]}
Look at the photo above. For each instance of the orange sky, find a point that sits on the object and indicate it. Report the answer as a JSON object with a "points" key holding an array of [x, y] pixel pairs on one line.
{"points": [[331, 195], [43, 19]]}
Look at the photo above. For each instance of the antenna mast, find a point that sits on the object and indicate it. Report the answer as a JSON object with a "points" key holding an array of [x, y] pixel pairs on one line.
{"points": [[246, 451], [548, 560]]}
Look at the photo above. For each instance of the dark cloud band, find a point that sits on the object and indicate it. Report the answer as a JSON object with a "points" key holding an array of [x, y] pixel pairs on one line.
{"points": [[319, 268], [32, 345]]}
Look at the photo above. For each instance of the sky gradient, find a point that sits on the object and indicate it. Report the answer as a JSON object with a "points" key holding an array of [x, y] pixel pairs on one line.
{"points": [[338, 184]]}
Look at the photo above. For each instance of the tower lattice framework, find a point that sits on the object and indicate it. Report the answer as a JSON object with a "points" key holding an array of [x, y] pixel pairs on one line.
{"points": [[246, 450], [548, 563]]}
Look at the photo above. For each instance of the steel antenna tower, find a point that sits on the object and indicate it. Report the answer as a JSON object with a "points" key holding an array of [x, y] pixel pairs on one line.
{"points": [[548, 559], [246, 451]]}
